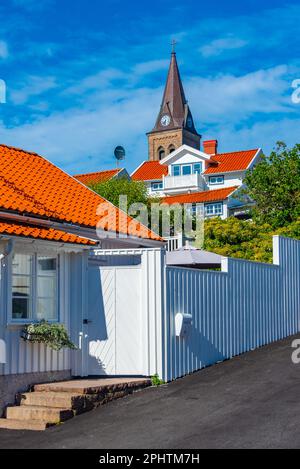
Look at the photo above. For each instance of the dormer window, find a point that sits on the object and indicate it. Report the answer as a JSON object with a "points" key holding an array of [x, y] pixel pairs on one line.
{"points": [[197, 168], [186, 169], [176, 170]]}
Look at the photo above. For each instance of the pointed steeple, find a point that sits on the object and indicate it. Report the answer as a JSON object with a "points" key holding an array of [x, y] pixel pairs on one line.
{"points": [[174, 111], [174, 124]]}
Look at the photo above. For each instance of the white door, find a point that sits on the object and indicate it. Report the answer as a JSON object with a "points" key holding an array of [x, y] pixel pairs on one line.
{"points": [[114, 331]]}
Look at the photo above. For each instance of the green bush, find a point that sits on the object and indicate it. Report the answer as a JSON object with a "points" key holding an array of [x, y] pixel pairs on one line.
{"points": [[156, 381], [245, 239]]}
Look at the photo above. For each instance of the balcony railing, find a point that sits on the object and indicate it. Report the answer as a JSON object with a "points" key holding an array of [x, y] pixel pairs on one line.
{"points": [[189, 182]]}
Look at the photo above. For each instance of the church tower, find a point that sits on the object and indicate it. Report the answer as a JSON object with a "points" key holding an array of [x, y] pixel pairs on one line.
{"points": [[174, 125]]}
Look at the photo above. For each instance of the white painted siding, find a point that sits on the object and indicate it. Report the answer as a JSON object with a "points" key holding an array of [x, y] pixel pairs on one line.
{"points": [[230, 180], [21, 356]]}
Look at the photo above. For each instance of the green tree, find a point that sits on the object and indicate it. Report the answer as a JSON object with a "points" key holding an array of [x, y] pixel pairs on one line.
{"points": [[137, 203], [274, 186], [111, 190], [245, 239]]}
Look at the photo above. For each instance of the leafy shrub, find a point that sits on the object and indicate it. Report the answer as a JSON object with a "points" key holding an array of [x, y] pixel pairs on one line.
{"points": [[245, 239], [156, 381], [54, 336]]}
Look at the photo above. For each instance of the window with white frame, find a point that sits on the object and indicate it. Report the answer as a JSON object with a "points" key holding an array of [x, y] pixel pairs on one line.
{"points": [[214, 209], [157, 186], [216, 180], [186, 169], [34, 287]]}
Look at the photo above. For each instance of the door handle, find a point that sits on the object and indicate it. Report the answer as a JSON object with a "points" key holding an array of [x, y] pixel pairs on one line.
{"points": [[87, 321]]}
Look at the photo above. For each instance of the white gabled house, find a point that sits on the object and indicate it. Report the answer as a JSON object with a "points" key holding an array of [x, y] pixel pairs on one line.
{"points": [[177, 165], [127, 312], [48, 227], [188, 175]]}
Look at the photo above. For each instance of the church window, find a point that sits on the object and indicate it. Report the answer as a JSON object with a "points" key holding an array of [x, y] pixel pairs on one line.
{"points": [[161, 153]]}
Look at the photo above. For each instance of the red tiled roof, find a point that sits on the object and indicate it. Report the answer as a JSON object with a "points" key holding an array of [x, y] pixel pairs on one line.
{"points": [[234, 161], [95, 178], [30, 184], [49, 234], [150, 170], [200, 197]]}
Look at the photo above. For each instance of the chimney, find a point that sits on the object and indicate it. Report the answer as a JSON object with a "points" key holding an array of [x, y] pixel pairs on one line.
{"points": [[210, 147]]}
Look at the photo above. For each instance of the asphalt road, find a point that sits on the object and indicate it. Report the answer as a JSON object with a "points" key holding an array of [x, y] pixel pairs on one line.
{"points": [[251, 401]]}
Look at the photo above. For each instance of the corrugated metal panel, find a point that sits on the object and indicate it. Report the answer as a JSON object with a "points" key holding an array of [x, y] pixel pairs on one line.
{"points": [[247, 306]]}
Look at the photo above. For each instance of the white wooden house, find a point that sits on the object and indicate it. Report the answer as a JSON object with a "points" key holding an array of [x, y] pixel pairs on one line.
{"points": [[127, 312], [48, 224], [190, 176]]}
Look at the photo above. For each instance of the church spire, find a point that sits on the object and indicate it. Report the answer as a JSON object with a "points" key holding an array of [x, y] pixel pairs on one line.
{"points": [[174, 111], [174, 124]]}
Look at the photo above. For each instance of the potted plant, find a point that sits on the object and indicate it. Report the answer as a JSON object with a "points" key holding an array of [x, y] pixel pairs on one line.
{"points": [[52, 335]]}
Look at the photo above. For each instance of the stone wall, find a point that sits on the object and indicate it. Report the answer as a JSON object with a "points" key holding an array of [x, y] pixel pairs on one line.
{"points": [[10, 385]]}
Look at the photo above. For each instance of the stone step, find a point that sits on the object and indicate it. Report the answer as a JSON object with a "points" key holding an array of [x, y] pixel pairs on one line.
{"points": [[57, 400], [34, 425], [62, 400], [46, 414], [95, 386]]}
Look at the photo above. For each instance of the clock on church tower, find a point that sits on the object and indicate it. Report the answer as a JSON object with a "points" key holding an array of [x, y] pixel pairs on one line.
{"points": [[174, 124]]}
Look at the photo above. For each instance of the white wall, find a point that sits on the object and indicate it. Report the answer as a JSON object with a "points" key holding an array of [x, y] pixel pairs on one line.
{"points": [[230, 180], [21, 356]]}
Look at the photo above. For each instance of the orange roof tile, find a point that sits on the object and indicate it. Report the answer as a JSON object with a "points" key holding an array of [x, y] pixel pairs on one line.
{"points": [[95, 178], [200, 197], [150, 170], [234, 161], [31, 184], [50, 234]]}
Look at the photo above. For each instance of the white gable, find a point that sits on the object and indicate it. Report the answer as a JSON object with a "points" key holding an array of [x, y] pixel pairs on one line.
{"points": [[185, 154]]}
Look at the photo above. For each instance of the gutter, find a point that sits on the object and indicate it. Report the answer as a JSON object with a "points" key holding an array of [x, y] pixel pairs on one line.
{"points": [[90, 233]]}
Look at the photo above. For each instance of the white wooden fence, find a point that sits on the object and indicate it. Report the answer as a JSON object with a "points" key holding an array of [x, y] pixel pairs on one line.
{"points": [[243, 307]]}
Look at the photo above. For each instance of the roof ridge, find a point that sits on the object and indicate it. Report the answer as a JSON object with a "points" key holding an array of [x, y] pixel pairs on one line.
{"points": [[236, 151], [97, 172], [11, 147]]}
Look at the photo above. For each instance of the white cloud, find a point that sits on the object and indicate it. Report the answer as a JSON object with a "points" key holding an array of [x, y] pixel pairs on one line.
{"points": [[83, 138], [32, 86], [152, 66], [229, 98], [3, 50], [69, 138], [218, 46]]}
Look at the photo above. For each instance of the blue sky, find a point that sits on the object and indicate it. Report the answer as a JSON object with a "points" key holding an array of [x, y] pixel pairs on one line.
{"points": [[85, 76]]}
